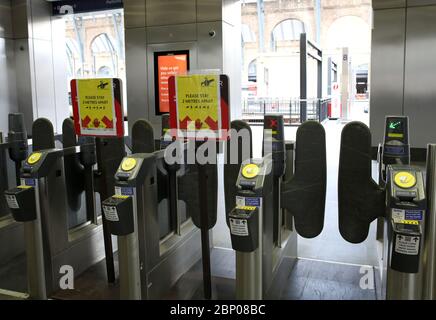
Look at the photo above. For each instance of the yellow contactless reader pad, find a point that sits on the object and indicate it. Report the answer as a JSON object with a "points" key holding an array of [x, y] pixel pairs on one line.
{"points": [[250, 171], [128, 164], [34, 158], [405, 180]]}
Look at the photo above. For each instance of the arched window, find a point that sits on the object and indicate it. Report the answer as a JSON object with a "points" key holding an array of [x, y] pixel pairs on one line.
{"points": [[102, 48], [104, 71], [287, 30], [247, 34], [102, 44], [73, 55], [252, 71]]}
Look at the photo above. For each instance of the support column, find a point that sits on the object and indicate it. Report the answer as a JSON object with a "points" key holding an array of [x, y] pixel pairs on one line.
{"points": [[39, 63]]}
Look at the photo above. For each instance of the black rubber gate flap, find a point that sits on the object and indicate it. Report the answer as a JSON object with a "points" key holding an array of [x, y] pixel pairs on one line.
{"points": [[42, 135], [304, 195], [142, 137], [74, 178], [232, 164], [361, 200], [189, 192]]}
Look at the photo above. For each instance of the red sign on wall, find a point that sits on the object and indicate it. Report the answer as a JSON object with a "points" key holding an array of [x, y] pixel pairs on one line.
{"points": [[167, 64]]}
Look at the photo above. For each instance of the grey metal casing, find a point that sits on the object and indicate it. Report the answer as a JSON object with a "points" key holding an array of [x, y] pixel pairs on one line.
{"points": [[402, 67], [163, 261], [81, 247], [153, 25]]}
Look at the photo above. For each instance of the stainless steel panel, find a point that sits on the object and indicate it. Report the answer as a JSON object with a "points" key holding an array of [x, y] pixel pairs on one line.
{"points": [[24, 84], [20, 19], [8, 90], [169, 12], [210, 48], [191, 46], [170, 34], [232, 61], [429, 248], [11, 233], [44, 81], [40, 15], [60, 91], [387, 4], [5, 19], [209, 10], [85, 251], [420, 87], [418, 3], [136, 72], [175, 264], [387, 68], [134, 14]]}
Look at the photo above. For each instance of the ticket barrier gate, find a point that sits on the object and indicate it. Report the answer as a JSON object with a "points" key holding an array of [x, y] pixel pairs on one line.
{"points": [[149, 264], [401, 201], [13, 150], [249, 224], [302, 198], [59, 244]]}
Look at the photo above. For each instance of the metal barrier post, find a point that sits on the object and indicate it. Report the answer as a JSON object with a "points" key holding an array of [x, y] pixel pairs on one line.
{"points": [[429, 249]]}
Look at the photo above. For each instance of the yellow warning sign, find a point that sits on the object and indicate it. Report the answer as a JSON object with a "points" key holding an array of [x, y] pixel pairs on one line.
{"points": [[405, 180], [198, 102], [96, 103], [34, 158]]}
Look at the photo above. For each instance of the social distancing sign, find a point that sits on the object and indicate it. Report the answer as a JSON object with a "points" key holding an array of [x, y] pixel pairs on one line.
{"points": [[198, 98], [97, 107], [200, 106]]}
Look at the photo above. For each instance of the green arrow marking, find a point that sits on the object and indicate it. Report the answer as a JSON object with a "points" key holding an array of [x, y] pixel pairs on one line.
{"points": [[394, 125]]}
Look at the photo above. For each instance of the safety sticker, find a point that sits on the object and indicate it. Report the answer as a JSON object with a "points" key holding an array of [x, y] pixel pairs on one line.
{"points": [[410, 222], [12, 201], [238, 227], [400, 214], [414, 214], [28, 182], [124, 191], [408, 245], [249, 202], [111, 213]]}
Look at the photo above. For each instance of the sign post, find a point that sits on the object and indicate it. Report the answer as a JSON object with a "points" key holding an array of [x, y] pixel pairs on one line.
{"points": [[199, 111], [98, 112]]}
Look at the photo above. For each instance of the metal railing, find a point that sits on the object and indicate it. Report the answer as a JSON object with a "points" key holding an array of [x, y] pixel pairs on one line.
{"points": [[254, 109]]}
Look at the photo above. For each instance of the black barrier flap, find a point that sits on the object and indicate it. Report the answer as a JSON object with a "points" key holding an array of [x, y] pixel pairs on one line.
{"points": [[142, 137], [42, 135], [189, 193], [192, 189], [233, 162], [73, 171], [361, 200], [304, 195], [17, 136]]}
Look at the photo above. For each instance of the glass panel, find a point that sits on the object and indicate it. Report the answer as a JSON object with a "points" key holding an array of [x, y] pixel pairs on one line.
{"points": [[95, 46]]}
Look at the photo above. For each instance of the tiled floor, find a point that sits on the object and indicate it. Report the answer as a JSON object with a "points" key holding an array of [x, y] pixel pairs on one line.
{"points": [[307, 280], [317, 280]]}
